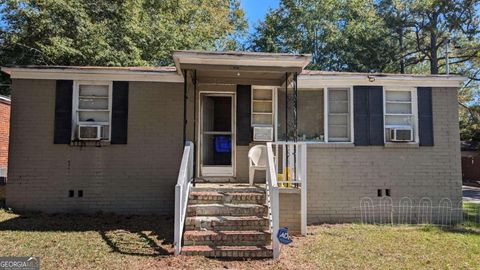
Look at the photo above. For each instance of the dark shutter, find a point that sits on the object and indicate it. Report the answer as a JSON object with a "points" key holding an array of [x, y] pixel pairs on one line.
{"points": [[368, 115], [119, 113], [361, 115], [244, 129], [63, 112], [375, 105], [425, 116]]}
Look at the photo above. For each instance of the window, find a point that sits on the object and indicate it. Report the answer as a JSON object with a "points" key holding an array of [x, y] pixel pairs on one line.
{"points": [[310, 113], [339, 115], [400, 114], [313, 106], [92, 103]]}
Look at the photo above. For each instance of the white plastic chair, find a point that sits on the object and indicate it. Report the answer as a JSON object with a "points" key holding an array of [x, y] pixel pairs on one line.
{"points": [[257, 160]]}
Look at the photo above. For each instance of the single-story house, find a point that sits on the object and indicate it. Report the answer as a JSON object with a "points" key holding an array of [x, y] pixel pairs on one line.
{"points": [[130, 140]]}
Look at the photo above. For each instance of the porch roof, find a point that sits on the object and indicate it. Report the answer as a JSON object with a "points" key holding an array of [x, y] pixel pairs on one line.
{"points": [[240, 67]]}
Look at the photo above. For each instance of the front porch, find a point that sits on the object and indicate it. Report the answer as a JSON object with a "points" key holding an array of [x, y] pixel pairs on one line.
{"points": [[231, 105]]}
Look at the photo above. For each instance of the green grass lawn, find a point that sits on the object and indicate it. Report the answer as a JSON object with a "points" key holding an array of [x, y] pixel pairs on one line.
{"points": [[144, 242]]}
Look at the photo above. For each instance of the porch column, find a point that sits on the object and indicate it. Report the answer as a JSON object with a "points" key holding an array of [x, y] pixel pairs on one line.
{"points": [[185, 98]]}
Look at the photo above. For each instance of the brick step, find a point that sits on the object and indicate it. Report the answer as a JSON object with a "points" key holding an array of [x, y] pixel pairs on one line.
{"points": [[228, 188], [229, 251], [224, 223], [206, 197], [227, 209], [226, 238]]}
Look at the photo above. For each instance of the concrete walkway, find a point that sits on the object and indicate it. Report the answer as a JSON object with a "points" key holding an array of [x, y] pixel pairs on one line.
{"points": [[471, 194]]}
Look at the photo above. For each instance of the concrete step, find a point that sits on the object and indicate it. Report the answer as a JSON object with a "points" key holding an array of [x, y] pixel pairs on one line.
{"points": [[226, 209], [229, 251], [228, 188], [206, 197], [223, 223], [226, 238]]}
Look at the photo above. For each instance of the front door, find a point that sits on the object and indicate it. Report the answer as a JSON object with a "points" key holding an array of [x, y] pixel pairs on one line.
{"points": [[217, 136]]}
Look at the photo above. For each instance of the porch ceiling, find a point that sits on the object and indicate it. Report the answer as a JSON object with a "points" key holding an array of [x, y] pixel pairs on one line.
{"points": [[240, 67]]}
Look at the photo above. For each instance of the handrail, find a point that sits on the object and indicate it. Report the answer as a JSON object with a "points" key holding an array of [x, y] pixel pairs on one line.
{"points": [[273, 200], [182, 190], [294, 169]]}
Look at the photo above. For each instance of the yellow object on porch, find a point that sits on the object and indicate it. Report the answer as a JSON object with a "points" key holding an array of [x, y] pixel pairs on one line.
{"points": [[285, 181]]}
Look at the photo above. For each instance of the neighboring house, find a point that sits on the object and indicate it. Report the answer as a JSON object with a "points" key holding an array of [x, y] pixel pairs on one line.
{"points": [[351, 136], [4, 133], [470, 162]]}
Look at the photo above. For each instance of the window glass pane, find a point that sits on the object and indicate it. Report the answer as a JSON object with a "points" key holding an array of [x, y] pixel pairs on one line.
{"points": [[338, 106], [338, 133], [217, 149], [93, 103], [310, 114], [262, 94], [405, 108], [338, 120], [93, 116], [262, 106], [338, 94], [93, 90], [398, 96], [339, 114], [105, 132], [398, 120]]}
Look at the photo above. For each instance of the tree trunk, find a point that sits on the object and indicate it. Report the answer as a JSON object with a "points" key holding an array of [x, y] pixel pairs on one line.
{"points": [[433, 46], [402, 51]]}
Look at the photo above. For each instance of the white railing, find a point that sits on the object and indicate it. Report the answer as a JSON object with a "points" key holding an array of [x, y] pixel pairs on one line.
{"points": [[292, 171], [182, 189]]}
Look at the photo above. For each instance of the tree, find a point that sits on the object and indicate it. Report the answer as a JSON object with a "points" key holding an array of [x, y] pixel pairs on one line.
{"points": [[340, 35], [114, 33], [406, 36]]}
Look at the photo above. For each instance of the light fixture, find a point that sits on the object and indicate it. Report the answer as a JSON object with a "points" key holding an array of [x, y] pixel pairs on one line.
{"points": [[371, 78], [238, 74]]}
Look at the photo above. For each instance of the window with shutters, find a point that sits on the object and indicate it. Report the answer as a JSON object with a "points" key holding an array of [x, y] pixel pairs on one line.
{"points": [[92, 110], [339, 115], [400, 115]]}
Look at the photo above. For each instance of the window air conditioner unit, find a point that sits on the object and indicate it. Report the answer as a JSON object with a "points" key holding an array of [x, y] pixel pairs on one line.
{"points": [[89, 132], [263, 134], [401, 134]]}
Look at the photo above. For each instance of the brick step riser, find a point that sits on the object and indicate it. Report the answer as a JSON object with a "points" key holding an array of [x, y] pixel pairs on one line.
{"points": [[238, 212], [226, 227], [256, 198], [193, 201], [230, 190], [231, 254], [259, 242]]}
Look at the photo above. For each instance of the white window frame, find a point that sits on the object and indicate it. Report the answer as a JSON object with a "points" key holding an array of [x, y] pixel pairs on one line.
{"points": [[414, 104], [325, 112], [75, 110]]}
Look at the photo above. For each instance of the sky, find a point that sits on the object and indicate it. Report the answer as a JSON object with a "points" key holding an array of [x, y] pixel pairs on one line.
{"points": [[255, 10]]}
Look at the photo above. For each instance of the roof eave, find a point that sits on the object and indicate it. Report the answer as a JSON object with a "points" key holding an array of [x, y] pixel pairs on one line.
{"points": [[91, 74]]}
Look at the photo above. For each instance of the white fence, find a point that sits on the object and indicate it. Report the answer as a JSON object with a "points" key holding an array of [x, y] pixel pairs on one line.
{"points": [[406, 211], [182, 190], [292, 171]]}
